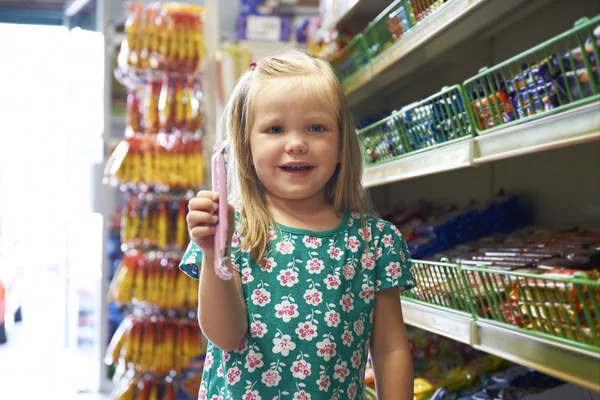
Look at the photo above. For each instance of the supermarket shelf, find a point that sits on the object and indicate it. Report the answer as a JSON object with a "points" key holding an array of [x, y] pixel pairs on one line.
{"points": [[359, 14], [570, 364], [565, 362], [452, 325], [574, 126], [451, 24], [426, 162], [567, 128]]}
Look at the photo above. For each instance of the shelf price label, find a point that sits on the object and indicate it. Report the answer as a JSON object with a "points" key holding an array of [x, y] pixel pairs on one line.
{"points": [[263, 28]]}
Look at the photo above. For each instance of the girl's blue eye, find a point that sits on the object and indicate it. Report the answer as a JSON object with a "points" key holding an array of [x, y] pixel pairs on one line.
{"points": [[275, 129], [316, 128]]}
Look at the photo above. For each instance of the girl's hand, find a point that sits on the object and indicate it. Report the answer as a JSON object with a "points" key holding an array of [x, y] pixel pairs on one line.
{"points": [[201, 220]]}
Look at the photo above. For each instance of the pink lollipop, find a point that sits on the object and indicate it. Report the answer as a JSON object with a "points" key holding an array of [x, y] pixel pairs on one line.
{"points": [[219, 183]]}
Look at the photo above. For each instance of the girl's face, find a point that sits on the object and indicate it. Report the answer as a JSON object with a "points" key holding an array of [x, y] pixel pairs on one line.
{"points": [[294, 139]]}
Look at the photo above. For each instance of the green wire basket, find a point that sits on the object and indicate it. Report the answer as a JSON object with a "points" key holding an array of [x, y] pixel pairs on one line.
{"points": [[437, 120], [557, 75], [441, 285], [563, 309], [387, 27], [351, 58]]}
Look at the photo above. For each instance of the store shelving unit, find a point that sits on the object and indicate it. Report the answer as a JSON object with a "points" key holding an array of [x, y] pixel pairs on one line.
{"points": [[464, 25], [571, 127], [566, 362], [451, 24]]}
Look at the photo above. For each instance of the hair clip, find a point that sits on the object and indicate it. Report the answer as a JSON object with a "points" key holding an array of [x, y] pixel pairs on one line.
{"points": [[253, 65], [219, 183]]}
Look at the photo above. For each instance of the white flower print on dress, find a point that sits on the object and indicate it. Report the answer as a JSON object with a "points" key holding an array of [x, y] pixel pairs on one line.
{"points": [[226, 356], [202, 394], [216, 397], [341, 371], [252, 395], [288, 277], [356, 359], [306, 331], [368, 260], [402, 256], [285, 247], [359, 326], [253, 361], [271, 378], [286, 311], [235, 240], [300, 369], [365, 233], [272, 235], [352, 390], [283, 345], [352, 244], [301, 395], [355, 215], [220, 371], [388, 241], [326, 349], [208, 361], [324, 382], [332, 318], [315, 266], [335, 253], [393, 270], [348, 338], [332, 282], [312, 242], [347, 302], [247, 275], [381, 226], [349, 272], [234, 375], [261, 297], [242, 347], [258, 329], [367, 293], [267, 264], [313, 297]]}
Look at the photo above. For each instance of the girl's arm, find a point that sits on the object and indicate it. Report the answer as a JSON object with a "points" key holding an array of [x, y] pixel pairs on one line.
{"points": [[390, 354], [222, 311]]}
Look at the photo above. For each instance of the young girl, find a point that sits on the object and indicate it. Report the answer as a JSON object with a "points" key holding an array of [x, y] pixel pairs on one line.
{"points": [[316, 279]]}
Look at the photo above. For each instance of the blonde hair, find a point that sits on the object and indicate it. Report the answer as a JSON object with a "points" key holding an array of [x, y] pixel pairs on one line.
{"points": [[344, 190]]}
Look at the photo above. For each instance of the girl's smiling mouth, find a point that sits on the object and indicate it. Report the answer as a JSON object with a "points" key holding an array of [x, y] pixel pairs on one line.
{"points": [[297, 169]]}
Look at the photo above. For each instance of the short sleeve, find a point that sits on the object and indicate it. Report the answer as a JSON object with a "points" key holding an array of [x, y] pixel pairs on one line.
{"points": [[393, 264], [191, 260]]}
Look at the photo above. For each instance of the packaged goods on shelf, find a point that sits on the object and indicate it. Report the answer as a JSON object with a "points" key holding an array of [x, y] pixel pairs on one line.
{"points": [[152, 281], [165, 37], [163, 163], [443, 365], [429, 230], [558, 73], [159, 224]]}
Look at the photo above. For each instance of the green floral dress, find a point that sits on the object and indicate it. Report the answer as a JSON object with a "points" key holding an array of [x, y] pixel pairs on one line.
{"points": [[310, 307]]}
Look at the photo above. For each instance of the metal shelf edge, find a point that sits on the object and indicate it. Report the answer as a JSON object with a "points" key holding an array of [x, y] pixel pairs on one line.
{"points": [[566, 128], [430, 161], [568, 363], [453, 325]]}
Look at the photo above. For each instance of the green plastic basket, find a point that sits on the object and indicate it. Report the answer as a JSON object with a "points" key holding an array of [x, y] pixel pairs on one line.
{"points": [[441, 285], [557, 308], [351, 58], [389, 26], [437, 120], [557, 75]]}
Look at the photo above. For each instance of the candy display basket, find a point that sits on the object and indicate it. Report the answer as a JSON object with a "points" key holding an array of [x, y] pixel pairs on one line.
{"points": [[557, 75]]}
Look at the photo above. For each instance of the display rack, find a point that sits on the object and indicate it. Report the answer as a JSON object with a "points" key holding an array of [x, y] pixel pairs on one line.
{"points": [[571, 127], [420, 48]]}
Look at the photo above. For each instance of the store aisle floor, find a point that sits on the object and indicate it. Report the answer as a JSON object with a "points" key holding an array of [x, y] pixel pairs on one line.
{"points": [[34, 363]]}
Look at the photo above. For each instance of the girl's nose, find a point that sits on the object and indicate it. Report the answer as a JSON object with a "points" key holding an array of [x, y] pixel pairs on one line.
{"points": [[296, 144]]}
